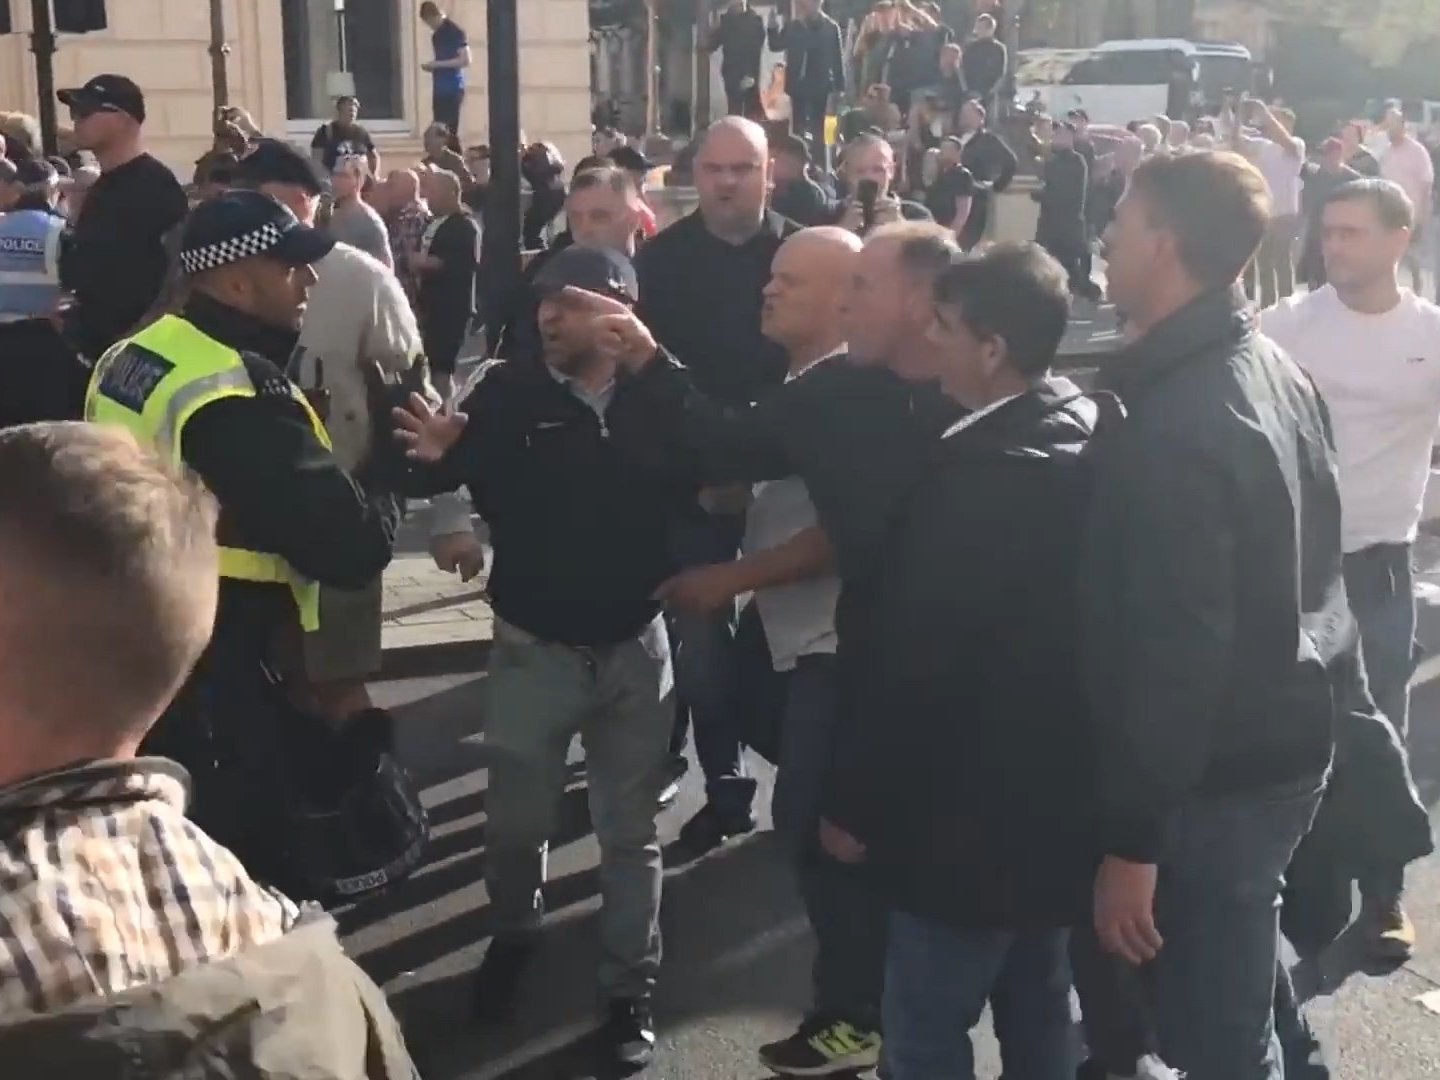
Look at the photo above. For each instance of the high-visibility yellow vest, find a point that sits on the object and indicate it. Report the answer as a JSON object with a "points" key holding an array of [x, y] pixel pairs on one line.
{"points": [[152, 384]]}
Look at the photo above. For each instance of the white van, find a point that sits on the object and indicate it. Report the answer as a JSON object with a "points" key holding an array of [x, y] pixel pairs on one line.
{"points": [[1119, 81]]}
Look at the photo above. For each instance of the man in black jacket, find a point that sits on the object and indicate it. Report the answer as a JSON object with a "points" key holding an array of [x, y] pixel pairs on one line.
{"points": [[702, 281], [991, 162], [985, 61], [988, 856], [1061, 229], [580, 543], [739, 34], [814, 67], [1213, 609]]}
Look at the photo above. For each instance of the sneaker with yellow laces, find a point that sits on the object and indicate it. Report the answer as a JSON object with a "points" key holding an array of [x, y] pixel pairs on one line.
{"points": [[823, 1046]]}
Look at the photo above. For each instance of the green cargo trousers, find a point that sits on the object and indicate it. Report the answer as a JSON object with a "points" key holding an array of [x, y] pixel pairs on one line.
{"points": [[538, 696]]}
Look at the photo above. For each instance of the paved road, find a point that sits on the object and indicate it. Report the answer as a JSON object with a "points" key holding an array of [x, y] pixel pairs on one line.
{"points": [[737, 957]]}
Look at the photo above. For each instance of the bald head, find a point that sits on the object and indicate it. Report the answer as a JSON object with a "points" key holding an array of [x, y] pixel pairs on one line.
{"points": [[809, 285], [404, 185], [733, 131], [732, 178]]}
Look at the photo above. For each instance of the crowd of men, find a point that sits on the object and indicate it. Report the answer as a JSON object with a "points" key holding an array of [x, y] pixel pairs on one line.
{"points": [[1060, 684]]}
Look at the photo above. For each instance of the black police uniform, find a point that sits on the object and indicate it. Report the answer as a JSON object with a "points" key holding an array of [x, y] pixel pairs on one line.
{"points": [[280, 490]]}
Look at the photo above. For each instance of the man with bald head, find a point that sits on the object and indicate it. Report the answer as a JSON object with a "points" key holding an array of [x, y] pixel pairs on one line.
{"points": [[701, 291], [406, 221], [789, 565]]}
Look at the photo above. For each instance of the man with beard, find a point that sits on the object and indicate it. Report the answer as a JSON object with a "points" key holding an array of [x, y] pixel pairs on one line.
{"points": [[580, 542]]}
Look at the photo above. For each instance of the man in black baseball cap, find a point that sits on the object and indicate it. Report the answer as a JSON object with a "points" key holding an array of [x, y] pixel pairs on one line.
{"points": [[580, 643], [119, 261], [566, 317], [105, 94]]}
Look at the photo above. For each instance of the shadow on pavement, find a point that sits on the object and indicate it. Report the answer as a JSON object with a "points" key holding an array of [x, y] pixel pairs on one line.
{"points": [[722, 955], [1347, 956]]}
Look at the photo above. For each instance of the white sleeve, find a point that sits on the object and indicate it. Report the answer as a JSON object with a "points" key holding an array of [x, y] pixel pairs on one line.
{"points": [[392, 340]]}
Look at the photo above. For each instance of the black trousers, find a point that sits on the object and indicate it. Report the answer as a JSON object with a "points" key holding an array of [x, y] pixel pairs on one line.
{"points": [[1071, 251], [41, 377], [445, 106]]}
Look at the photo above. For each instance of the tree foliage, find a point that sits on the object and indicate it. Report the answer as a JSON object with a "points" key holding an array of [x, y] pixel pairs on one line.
{"points": [[1381, 30]]}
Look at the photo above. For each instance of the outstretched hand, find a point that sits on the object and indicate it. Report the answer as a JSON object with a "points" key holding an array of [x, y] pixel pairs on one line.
{"points": [[427, 433]]}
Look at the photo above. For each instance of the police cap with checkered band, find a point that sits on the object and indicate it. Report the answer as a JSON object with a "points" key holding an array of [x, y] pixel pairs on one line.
{"points": [[245, 225]]}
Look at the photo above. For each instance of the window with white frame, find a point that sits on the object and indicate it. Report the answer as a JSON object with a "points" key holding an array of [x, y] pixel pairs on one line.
{"points": [[335, 47]]}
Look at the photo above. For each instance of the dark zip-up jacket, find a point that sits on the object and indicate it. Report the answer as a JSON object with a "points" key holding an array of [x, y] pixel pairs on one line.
{"points": [[814, 56], [578, 529], [967, 768], [1213, 605], [740, 38]]}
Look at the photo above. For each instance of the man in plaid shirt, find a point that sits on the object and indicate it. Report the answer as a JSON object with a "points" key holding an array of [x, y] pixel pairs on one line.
{"points": [[130, 942]]}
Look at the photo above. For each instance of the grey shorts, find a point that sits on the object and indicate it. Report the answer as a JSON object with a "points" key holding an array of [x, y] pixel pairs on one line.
{"points": [[347, 645]]}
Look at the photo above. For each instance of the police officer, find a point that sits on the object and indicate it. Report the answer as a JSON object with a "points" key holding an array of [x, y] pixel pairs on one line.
{"points": [[206, 388], [40, 376]]}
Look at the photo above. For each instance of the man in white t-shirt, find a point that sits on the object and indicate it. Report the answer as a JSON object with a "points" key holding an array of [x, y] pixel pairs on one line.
{"points": [[1279, 156], [1407, 162], [1373, 350]]}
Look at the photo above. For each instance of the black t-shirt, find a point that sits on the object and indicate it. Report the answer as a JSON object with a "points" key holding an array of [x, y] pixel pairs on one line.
{"points": [[118, 261], [447, 295], [336, 140], [950, 185]]}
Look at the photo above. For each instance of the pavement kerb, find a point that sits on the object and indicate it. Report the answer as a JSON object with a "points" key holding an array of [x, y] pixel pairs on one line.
{"points": [[455, 657]]}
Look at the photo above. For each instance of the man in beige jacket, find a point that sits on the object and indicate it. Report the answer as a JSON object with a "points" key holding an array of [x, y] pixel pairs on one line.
{"points": [[358, 330]]}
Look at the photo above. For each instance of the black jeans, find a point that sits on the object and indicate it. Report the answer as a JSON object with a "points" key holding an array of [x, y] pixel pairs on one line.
{"points": [[807, 119], [445, 107], [1211, 991], [1380, 583], [846, 911], [704, 647]]}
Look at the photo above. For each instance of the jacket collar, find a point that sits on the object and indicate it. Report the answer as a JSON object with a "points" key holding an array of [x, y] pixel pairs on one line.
{"points": [[1220, 317], [99, 782], [240, 331], [1051, 413]]}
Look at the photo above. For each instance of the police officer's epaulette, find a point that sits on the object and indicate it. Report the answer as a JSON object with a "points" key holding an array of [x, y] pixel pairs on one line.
{"points": [[269, 380]]}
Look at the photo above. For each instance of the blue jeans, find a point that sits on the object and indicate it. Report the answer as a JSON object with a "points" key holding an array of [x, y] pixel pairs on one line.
{"points": [[846, 912], [705, 669], [1211, 991], [937, 981], [1380, 583]]}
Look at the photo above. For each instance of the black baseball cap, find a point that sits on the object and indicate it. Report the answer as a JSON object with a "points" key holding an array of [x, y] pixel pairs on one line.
{"points": [[597, 270], [106, 93], [242, 225], [271, 161], [35, 173]]}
